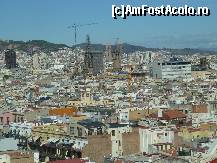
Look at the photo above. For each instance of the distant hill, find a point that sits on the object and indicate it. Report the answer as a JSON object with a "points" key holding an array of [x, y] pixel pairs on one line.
{"points": [[44, 46], [96, 47], [210, 49], [189, 51], [128, 48], [47, 47]]}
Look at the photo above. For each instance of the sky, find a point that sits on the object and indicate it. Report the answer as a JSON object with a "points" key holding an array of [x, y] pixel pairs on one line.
{"points": [[48, 20]]}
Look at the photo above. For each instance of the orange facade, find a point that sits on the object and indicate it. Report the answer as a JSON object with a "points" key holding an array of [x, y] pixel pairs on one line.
{"points": [[63, 111]]}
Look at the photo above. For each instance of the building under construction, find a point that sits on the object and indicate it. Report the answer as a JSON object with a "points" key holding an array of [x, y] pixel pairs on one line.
{"points": [[93, 60], [10, 59], [114, 55]]}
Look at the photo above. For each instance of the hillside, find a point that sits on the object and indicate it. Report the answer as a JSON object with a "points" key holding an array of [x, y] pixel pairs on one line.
{"points": [[128, 48], [47, 47], [27, 46]]}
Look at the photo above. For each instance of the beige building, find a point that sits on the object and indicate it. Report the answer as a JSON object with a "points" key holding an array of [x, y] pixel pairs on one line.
{"points": [[189, 133], [87, 100], [130, 144], [16, 157], [34, 114], [84, 128], [137, 114], [45, 132], [200, 74], [60, 133]]}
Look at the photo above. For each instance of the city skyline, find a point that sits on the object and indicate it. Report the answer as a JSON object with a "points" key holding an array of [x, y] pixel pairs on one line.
{"points": [[140, 89], [48, 20]]}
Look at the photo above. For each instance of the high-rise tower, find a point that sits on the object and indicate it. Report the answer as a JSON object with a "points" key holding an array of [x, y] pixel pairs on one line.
{"points": [[10, 59], [116, 57], [93, 60]]}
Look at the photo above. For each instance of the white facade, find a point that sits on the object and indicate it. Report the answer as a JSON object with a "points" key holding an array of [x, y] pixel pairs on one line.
{"points": [[39, 61], [23, 129], [79, 143], [36, 157], [173, 69], [2, 58], [213, 65], [4, 158], [123, 115], [154, 135], [35, 61], [116, 138], [124, 129]]}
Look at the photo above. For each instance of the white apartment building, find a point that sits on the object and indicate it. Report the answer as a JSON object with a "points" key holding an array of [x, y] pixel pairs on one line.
{"points": [[154, 135], [117, 146], [213, 65], [173, 69], [21, 129]]}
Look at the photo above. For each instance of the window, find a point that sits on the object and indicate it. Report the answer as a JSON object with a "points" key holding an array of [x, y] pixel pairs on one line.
{"points": [[165, 134], [8, 120], [72, 130], [79, 131], [90, 132], [1, 119], [119, 143], [113, 132]]}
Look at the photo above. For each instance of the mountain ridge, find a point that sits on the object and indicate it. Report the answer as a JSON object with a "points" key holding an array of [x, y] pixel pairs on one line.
{"points": [[47, 47]]}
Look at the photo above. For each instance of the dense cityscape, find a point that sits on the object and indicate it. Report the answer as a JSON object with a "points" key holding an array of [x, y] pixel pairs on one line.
{"points": [[113, 81], [86, 105]]}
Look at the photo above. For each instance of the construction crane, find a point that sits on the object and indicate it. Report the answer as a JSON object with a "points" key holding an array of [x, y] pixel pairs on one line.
{"points": [[76, 26]]}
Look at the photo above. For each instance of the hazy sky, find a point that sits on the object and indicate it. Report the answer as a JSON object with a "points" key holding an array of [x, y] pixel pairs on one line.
{"points": [[48, 20]]}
